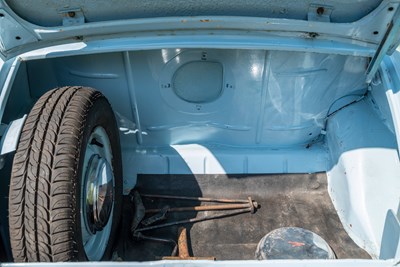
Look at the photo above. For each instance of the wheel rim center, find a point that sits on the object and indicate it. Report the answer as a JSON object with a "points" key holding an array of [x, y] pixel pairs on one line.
{"points": [[99, 193]]}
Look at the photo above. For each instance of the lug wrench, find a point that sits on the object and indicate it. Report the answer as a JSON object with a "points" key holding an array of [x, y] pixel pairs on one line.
{"points": [[249, 203]]}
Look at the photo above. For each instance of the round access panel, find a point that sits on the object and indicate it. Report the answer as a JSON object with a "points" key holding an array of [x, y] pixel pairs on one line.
{"points": [[196, 82]]}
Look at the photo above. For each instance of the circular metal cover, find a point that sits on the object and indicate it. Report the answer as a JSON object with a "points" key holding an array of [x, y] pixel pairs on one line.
{"points": [[293, 243], [99, 193], [197, 82]]}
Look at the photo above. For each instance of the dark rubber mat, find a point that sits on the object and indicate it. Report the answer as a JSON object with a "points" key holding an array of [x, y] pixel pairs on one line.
{"points": [[286, 200]]}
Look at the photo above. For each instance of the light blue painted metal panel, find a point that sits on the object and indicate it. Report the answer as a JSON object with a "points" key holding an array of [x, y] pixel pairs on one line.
{"points": [[10, 138], [8, 73], [364, 178], [47, 12], [204, 39], [299, 89], [270, 104], [392, 32], [13, 34], [390, 245], [366, 32]]}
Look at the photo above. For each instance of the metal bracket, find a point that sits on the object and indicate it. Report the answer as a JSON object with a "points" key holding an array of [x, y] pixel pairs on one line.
{"points": [[392, 32], [72, 16], [320, 13], [12, 33], [10, 138]]}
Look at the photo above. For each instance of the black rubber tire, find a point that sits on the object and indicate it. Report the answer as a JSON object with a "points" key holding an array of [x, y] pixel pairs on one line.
{"points": [[44, 208]]}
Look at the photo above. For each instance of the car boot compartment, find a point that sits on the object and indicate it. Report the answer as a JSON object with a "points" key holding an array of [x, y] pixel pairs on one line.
{"points": [[301, 133]]}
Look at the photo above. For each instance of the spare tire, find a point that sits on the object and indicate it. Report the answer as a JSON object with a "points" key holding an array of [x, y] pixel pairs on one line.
{"points": [[66, 183]]}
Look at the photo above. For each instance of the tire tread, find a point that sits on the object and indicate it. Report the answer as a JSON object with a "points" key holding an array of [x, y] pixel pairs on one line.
{"points": [[41, 206]]}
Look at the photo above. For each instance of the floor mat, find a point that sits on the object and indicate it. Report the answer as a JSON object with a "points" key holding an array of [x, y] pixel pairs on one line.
{"points": [[286, 200]]}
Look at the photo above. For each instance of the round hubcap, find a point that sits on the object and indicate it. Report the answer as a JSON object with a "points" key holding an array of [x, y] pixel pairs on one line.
{"points": [[99, 193]]}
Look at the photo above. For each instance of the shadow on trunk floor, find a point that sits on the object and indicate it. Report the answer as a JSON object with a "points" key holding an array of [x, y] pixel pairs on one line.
{"points": [[286, 200]]}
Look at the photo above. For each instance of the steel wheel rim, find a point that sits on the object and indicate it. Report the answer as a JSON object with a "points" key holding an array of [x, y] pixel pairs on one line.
{"points": [[97, 195]]}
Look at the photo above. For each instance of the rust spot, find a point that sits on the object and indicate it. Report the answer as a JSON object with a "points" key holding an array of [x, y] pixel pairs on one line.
{"points": [[184, 21], [71, 14], [320, 10], [296, 244], [204, 20]]}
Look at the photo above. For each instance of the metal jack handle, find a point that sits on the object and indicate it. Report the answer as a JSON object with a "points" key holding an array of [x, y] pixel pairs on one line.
{"points": [[250, 204], [193, 220], [205, 199]]}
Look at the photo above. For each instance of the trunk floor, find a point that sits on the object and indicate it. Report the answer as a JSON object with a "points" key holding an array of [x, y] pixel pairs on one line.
{"points": [[296, 200]]}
